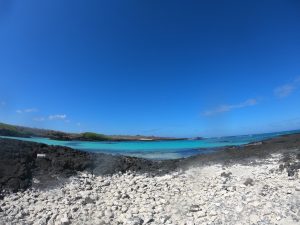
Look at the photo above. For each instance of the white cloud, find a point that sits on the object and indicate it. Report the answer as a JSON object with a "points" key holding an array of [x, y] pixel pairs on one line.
{"points": [[227, 108], [57, 117], [62, 117], [287, 89], [284, 90], [29, 110]]}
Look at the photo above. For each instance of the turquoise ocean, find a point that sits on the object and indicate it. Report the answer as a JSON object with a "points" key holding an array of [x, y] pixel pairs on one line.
{"points": [[158, 149]]}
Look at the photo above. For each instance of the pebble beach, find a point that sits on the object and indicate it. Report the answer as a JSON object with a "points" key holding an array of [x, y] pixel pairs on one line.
{"points": [[241, 194]]}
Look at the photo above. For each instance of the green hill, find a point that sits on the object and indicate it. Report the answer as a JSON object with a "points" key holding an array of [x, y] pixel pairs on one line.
{"points": [[10, 130], [94, 136], [20, 131]]}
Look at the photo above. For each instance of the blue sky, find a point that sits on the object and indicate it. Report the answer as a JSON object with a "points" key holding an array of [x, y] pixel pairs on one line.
{"points": [[171, 68]]}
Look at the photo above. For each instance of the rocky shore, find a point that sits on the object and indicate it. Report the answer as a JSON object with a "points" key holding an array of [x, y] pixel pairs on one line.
{"points": [[22, 163], [254, 184]]}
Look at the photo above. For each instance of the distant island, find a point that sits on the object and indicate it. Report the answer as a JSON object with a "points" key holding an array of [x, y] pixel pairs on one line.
{"points": [[197, 138], [20, 131]]}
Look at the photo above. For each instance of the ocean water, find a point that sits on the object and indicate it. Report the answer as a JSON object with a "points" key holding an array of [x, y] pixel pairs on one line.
{"points": [[158, 149]]}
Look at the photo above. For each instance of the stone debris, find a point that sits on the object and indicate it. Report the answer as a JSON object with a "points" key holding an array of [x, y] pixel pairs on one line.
{"points": [[237, 194]]}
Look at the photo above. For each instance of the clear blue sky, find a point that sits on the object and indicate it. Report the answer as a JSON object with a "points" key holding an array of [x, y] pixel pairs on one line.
{"points": [[174, 68]]}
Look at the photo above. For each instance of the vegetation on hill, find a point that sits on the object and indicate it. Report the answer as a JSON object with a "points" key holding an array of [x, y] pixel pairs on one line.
{"points": [[20, 131], [9, 130], [94, 136]]}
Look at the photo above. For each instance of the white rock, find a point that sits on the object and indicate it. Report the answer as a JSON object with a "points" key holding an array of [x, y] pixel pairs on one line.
{"points": [[212, 213], [109, 214], [65, 220], [134, 221], [189, 223], [255, 203], [239, 209], [253, 218], [201, 214]]}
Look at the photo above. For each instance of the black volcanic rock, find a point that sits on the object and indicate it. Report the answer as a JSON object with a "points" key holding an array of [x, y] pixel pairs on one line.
{"points": [[19, 163]]}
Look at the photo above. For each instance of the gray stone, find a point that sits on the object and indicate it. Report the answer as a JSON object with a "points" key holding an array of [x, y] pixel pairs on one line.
{"points": [[134, 221], [249, 182], [195, 208], [108, 213], [65, 220]]}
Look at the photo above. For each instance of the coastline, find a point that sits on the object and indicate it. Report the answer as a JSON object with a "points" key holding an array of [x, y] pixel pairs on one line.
{"points": [[27, 132], [257, 183]]}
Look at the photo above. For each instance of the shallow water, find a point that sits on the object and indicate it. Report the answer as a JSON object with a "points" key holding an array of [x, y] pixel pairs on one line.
{"points": [[158, 149]]}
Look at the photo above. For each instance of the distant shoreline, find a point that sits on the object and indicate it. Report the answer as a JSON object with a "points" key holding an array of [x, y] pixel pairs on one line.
{"points": [[26, 132]]}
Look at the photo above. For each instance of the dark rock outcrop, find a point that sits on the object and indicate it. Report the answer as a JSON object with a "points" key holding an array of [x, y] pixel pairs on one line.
{"points": [[19, 162]]}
